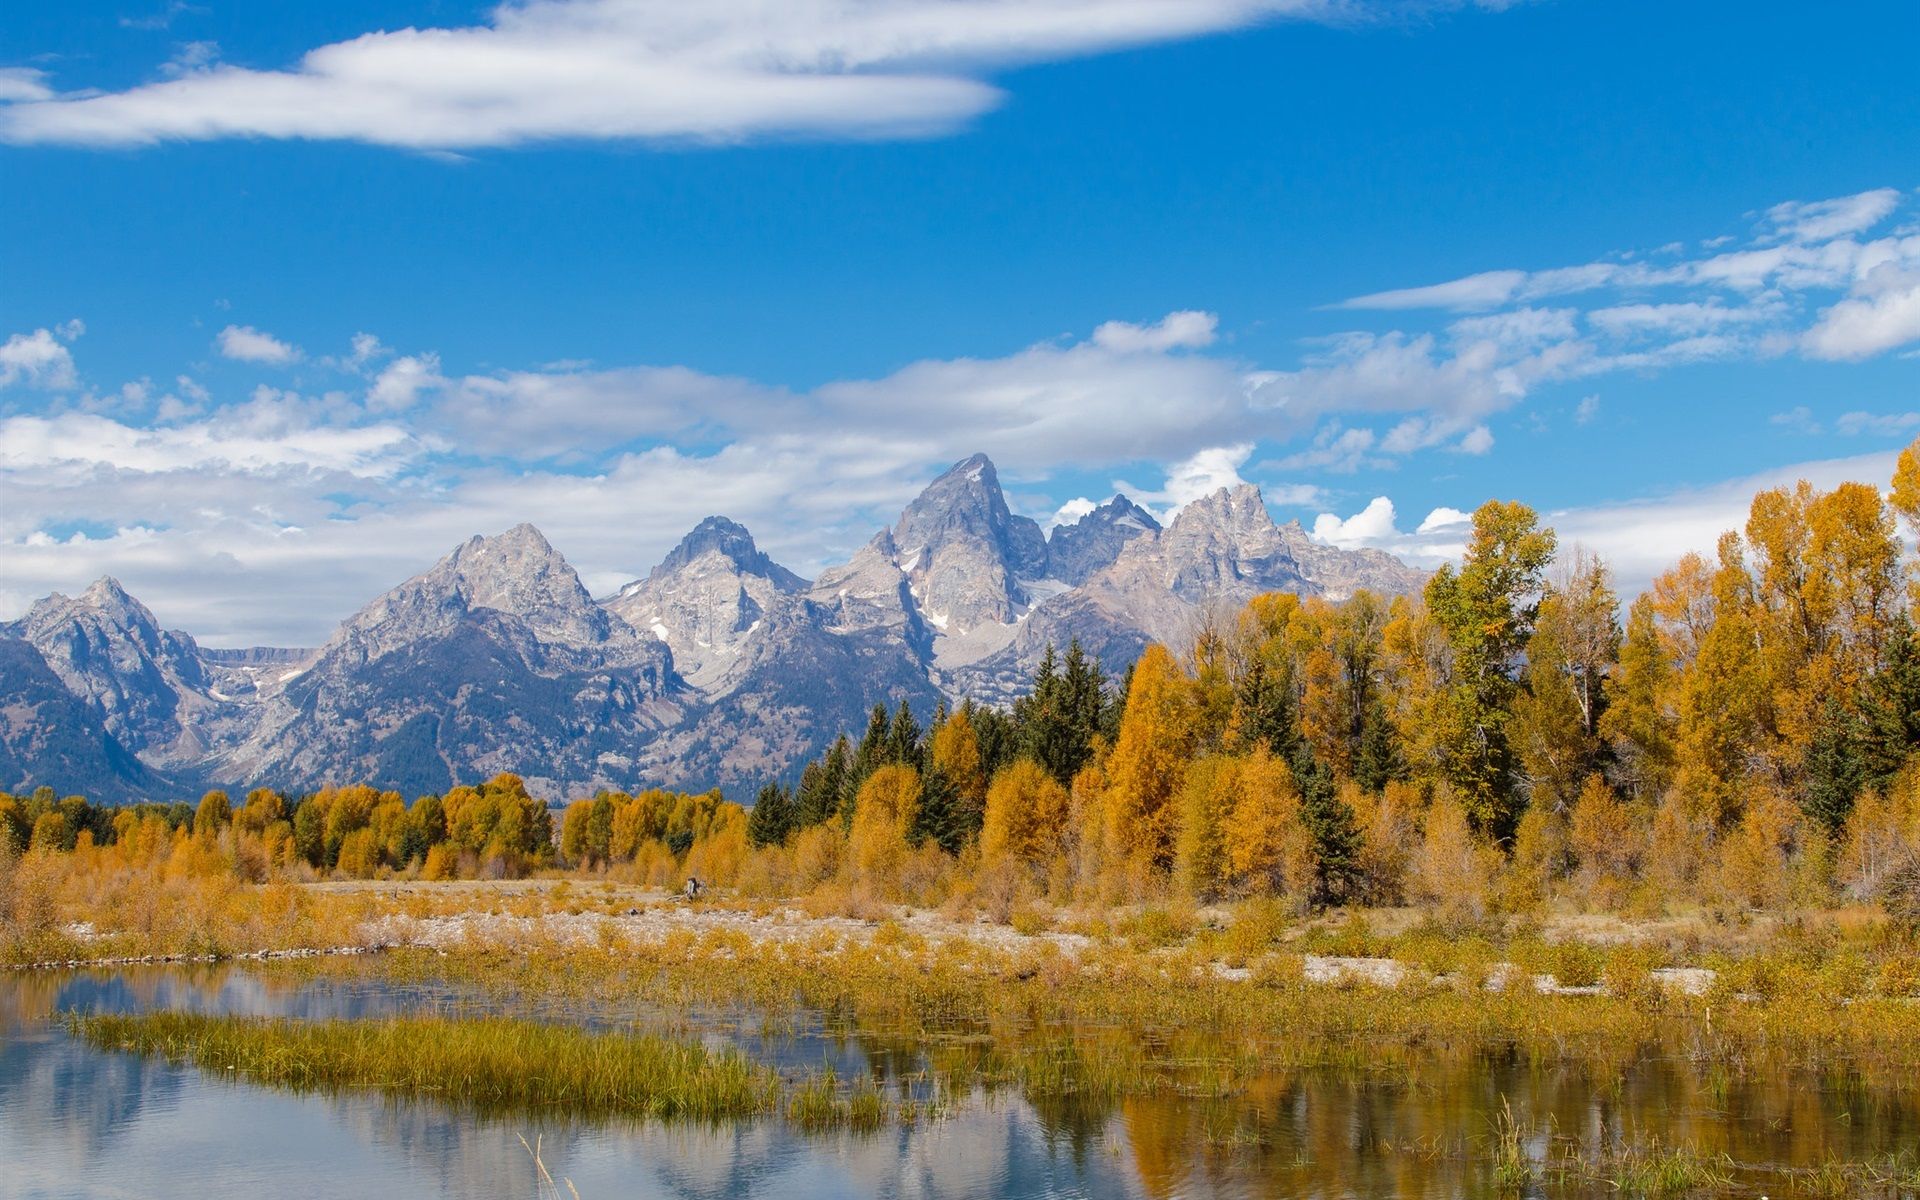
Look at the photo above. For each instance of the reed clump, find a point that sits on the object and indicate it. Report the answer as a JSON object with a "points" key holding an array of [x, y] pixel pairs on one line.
{"points": [[486, 1064]]}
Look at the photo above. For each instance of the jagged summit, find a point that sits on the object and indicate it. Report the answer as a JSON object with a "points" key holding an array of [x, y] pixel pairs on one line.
{"points": [[517, 573], [966, 504], [732, 541], [966, 556], [1081, 548]]}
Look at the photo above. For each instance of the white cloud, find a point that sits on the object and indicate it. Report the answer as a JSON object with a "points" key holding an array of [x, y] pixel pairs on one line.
{"points": [[367, 349], [716, 71], [1175, 331], [1335, 448], [37, 359], [244, 343], [401, 383], [1854, 424], [1586, 410], [1199, 475], [1690, 317], [1641, 538], [22, 85], [1489, 289], [1520, 331], [1754, 299], [190, 58], [1069, 512], [1371, 526], [256, 437], [1293, 495], [1799, 419], [1478, 440], [1444, 518], [1823, 220], [1882, 313]]}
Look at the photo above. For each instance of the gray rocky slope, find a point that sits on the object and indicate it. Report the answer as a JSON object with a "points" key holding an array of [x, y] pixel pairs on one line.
{"points": [[720, 667]]}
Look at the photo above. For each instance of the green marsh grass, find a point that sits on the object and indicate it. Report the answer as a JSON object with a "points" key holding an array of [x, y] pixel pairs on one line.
{"points": [[489, 1065]]}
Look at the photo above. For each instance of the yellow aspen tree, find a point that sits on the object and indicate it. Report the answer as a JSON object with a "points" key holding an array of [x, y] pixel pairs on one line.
{"points": [[1639, 721], [883, 811], [1206, 798], [1882, 836], [1904, 498], [1722, 699], [1550, 739], [1211, 685], [1417, 665], [1026, 817], [1325, 714], [1387, 833], [1853, 583], [213, 815], [1453, 870], [1148, 760], [1269, 846], [955, 757]]}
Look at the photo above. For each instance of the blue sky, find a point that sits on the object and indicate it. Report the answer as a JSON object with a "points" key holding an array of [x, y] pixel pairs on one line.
{"points": [[289, 304]]}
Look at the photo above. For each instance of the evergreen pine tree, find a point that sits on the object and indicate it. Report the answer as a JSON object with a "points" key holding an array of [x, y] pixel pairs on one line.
{"points": [[1083, 688], [1378, 761], [1890, 713], [903, 738], [1336, 835], [936, 819], [823, 786], [1836, 766], [872, 751], [998, 736], [772, 816], [1264, 708]]}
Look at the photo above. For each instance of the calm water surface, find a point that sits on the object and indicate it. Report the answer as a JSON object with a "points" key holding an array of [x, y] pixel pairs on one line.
{"points": [[76, 1122]]}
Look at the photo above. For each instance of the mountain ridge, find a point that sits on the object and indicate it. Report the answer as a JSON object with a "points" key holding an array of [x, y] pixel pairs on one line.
{"points": [[718, 667]]}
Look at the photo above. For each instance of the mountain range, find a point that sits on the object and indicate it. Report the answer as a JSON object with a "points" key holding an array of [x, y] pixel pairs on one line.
{"points": [[720, 668]]}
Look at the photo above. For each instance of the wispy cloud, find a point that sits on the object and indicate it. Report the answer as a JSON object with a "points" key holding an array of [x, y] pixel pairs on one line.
{"points": [[1806, 278], [716, 71]]}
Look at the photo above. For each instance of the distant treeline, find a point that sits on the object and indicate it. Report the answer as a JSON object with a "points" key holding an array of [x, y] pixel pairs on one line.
{"points": [[494, 829], [1745, 736]]}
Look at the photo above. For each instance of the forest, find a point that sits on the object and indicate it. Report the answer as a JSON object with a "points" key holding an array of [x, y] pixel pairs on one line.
{"points": [[1741, 735]]}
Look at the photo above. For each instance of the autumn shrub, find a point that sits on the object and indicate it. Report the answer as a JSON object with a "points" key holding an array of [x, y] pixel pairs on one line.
{"points": [[1029, 920], [1157, 926], [1454, 871], [1679, 846], [1257, 927], [1605, 843], [1627, 973], [882, 815], [817, 855], [1881, 839], [1388, 834], [1754, 869], [1899, 975]]}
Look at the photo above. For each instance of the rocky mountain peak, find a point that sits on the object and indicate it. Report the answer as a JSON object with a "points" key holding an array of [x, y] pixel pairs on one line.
{"points": [[965, 553], [104, 603], [517, 573], [1239, 507], [731, 541], [709, 599], [1077, 550], [109, 649]]}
